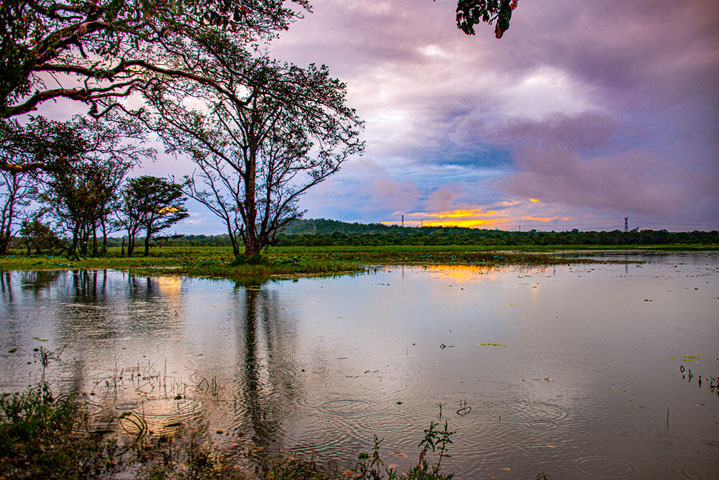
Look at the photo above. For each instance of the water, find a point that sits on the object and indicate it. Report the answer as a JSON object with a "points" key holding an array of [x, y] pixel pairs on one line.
{"points": [[565, 370]]}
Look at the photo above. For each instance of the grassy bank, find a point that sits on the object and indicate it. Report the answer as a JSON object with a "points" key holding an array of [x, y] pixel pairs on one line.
{"points": [[217, 261]]}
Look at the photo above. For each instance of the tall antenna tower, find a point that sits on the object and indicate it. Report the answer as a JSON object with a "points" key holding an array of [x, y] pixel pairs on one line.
{"points": [[626, 224], [403, 220]]}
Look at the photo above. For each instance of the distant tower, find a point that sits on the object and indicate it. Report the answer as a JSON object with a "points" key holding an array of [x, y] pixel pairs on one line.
{"points": [[626, 224], [403, 220]]}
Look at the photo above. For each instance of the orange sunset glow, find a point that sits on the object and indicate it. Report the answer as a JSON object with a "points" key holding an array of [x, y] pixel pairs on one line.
{"points": [[505, 215]]}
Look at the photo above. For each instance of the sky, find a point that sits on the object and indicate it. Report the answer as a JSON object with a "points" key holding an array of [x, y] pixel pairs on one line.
{"points": [[584, 113]]}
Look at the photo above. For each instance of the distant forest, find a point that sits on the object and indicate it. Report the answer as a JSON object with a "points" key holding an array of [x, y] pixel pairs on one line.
{"points": [[323, 232]]}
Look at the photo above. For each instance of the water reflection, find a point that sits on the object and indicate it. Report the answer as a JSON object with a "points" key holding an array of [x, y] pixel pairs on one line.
{"points": [[567, 370], [265, 386]]}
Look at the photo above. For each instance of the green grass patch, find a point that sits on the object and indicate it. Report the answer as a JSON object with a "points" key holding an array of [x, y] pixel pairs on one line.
{"points": [[219, 261]]}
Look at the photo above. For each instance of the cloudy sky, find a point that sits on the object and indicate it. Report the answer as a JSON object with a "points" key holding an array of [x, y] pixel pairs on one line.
{"points": [[582, 114]]}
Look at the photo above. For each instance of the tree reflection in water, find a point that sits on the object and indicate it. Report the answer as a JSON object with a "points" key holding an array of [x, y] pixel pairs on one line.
{"points": [[266, 380]]}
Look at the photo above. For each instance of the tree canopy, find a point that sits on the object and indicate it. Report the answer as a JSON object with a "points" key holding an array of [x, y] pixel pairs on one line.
{"points": [[94, 51], [100, 52], [151, 204], [270, 133]]}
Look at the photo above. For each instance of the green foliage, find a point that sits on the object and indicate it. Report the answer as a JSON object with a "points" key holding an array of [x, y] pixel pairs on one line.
{"points": [[38, 237], [371, 466], [46, 437], [41, 144], [322, 232], [471, 12], [151, 204]]}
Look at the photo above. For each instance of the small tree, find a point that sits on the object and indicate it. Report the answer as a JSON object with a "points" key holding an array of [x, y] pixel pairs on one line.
{"points": [[151, 204], [37, 236], [17, 190], [80, 199]]}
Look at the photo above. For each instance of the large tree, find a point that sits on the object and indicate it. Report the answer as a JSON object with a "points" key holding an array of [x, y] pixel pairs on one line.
{"points": [[273, 132], [93, 50]]}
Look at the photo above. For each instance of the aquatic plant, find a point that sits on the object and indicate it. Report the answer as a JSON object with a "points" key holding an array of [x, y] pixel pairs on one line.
{"points": [[371, 466]]}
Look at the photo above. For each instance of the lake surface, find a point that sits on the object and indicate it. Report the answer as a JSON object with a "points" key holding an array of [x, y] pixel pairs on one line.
{"points": [[577, 371]]}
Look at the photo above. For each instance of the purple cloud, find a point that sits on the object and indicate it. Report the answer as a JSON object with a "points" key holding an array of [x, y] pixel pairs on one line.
{"points": [[632, 182]]}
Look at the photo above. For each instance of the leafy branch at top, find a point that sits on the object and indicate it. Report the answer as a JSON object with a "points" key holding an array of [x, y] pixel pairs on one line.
{"points": [[471, 12]]}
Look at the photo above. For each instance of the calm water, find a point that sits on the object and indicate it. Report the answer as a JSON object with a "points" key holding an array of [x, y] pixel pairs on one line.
{"points": [[565, 370]]}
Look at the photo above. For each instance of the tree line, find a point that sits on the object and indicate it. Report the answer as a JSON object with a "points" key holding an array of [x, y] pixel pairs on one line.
{"points": [[324, 232], [467, 236]]}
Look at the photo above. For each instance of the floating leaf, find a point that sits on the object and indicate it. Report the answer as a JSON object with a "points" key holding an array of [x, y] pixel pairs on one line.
{"points": [[491, 345]]}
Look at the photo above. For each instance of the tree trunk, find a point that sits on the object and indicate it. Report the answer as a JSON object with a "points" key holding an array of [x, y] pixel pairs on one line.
{"points": [[130, 241], [252, 247], [6, 232], [233, 241], [104, 236], [252, 243], [72, 251], [94, 240], [147, 242]]}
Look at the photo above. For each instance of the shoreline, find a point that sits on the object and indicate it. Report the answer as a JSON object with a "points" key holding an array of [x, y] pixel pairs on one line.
{"points": [[302, 261]]}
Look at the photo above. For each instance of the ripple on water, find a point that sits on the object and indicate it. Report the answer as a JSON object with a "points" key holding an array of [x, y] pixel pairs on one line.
{"points": [[537, 415], [706, 469], [386, 423], [604, 467], [317, 438], [346, 406]]}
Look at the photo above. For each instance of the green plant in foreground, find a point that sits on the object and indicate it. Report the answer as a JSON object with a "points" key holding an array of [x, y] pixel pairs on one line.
{"points": [[371, 466], [46, 437]]}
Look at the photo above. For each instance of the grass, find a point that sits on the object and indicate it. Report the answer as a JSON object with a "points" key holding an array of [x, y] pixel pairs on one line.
{"points": [[218, 261], [46, 437]]}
